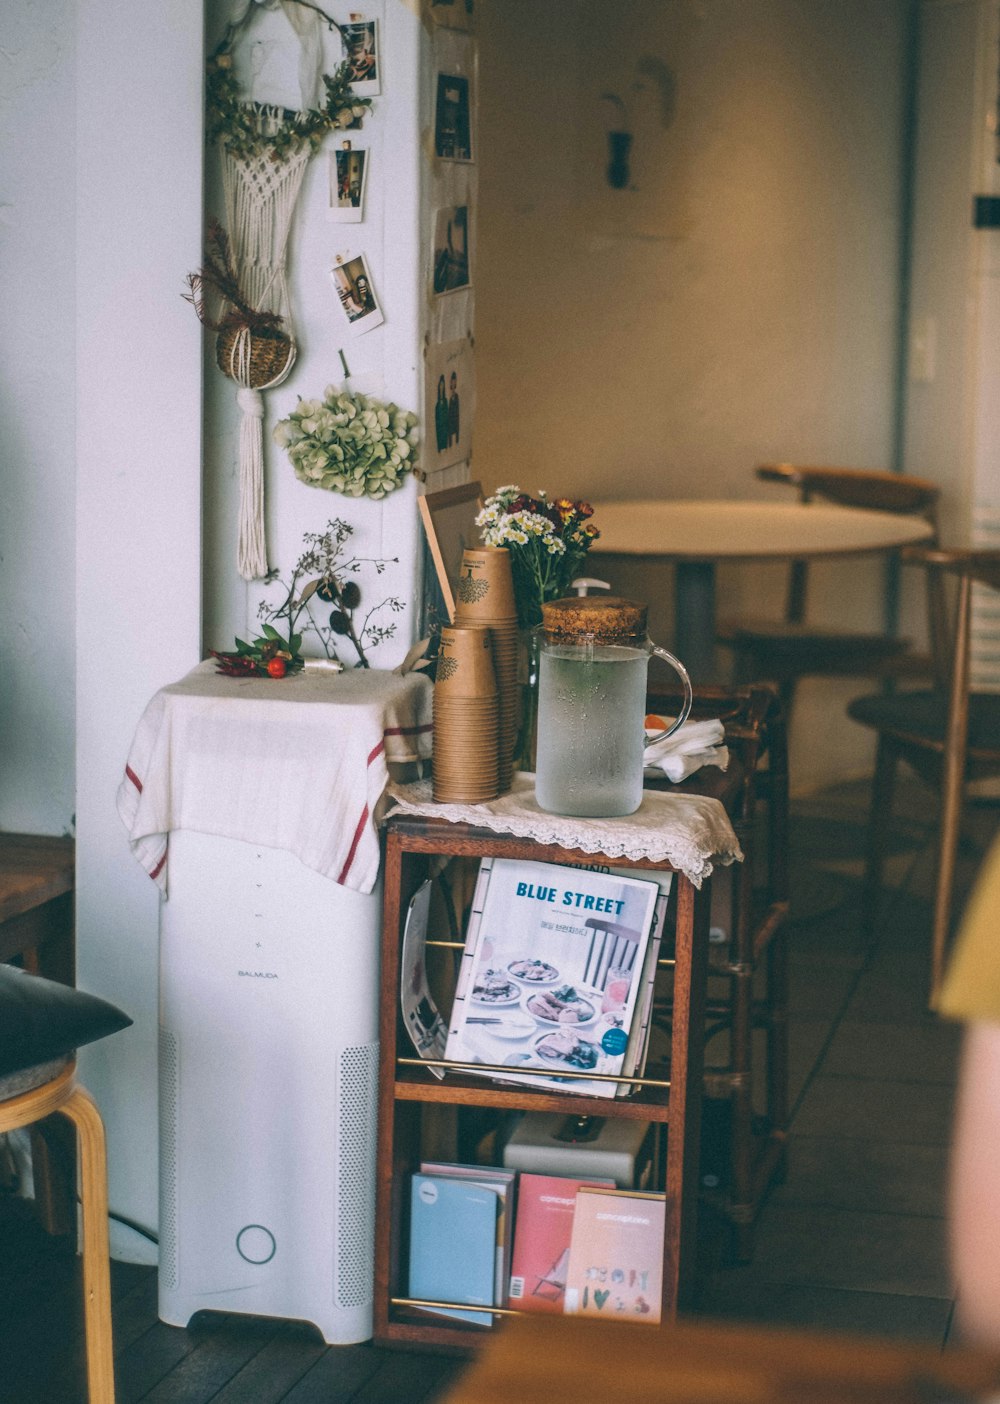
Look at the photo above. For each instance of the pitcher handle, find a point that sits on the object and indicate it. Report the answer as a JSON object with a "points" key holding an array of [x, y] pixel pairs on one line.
{"points": [[682, 673]]}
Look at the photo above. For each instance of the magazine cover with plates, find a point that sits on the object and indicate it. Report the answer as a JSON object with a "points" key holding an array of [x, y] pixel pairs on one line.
{"points": [[551, 973]]}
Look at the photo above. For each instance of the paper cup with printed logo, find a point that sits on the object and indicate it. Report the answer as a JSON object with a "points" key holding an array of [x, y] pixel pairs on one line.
{"points": [[465, 663], [484, 591]]}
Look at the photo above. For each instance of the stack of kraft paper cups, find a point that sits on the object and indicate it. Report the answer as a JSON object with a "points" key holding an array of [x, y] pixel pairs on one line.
{"points": [[485, 595], [464, 762]]}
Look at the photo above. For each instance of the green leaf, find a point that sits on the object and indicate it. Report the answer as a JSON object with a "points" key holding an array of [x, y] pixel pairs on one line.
{"points": [[272, 633]]}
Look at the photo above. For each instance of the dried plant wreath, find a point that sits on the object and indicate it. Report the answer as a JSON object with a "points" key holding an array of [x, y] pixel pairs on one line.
{"points": [[249, 128]]}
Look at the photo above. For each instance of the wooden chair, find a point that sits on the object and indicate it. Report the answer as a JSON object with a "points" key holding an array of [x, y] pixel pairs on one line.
{"points": [[946, 734], [784, 650], [751, 966]]}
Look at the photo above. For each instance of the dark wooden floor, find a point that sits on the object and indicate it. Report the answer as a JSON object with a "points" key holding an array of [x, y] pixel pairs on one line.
{"points": [[224, 1358], [853, 1240]]}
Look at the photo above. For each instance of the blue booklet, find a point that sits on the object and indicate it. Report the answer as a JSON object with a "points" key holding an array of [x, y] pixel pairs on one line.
{"points": [[453, 1244]]}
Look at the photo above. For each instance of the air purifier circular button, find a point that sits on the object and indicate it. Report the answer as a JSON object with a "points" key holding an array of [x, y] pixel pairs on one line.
{"points": [[256, 1244]]}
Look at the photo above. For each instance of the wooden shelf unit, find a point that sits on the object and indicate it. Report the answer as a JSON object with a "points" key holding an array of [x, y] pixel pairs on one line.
{"points": [[405, 1090]]}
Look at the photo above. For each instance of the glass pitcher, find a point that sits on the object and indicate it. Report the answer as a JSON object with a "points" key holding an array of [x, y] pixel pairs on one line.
{"points": [[593, 655]]}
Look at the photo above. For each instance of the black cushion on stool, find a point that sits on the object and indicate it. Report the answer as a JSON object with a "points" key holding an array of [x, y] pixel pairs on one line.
{"points": [[41, 1020]]}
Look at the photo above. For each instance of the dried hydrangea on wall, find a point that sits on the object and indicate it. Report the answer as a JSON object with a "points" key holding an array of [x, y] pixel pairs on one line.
{"points": [[350, 443]]}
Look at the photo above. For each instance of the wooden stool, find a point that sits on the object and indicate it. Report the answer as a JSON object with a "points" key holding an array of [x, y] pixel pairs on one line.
{"points": [[25, 1098], [36, 929]]}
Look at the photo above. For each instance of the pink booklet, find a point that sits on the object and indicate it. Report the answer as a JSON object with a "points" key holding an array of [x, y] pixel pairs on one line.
{"points": [[545, 1205], [616, 1255]]}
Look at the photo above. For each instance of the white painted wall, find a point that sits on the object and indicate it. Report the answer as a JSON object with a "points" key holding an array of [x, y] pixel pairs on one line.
{"points": [[138, 83], [385, 361], [37, 439]]}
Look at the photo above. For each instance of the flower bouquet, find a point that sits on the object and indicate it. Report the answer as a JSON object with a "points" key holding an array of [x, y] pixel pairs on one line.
{"points": [[547, 540]]}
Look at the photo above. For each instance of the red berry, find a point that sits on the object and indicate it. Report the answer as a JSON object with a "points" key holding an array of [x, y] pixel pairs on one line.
{"points": [[277, 668]]}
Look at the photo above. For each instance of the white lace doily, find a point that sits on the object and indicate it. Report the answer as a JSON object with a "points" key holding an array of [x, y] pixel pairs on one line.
{"points": [[690, 833]]}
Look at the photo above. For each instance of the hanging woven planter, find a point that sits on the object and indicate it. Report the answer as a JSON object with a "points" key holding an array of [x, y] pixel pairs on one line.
{"points": [[257, 358], [253, 349]]}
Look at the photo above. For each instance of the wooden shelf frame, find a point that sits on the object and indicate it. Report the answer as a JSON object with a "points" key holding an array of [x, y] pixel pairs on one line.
{"points": [[410, 844]]}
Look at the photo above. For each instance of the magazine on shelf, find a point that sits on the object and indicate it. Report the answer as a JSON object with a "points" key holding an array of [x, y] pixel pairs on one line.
{"points": [[551, 975], [615, 1266], [545, 1205], [453, 1245], [502, 1182]]}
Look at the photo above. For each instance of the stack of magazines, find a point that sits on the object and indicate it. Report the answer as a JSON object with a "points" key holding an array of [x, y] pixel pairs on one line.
{"points": [[557, 975], [482, 1237]]}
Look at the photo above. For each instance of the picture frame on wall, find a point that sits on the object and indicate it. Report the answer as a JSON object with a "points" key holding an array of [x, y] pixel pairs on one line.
{"points": [[449, 519], [356, 294], [453, 118], [451, 249], [449, 403], [361, 51], [348, 179]]}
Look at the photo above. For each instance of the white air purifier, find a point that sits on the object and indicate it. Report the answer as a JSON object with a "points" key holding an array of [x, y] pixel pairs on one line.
{"points": [[268, 1081]]}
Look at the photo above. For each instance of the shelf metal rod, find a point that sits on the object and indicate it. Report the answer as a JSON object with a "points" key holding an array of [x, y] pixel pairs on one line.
{"points": [[540, 1072], [665, 963], [454, 1306]]}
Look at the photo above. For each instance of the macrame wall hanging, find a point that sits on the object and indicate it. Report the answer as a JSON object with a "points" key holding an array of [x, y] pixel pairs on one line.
{"points": [[265, 150]]}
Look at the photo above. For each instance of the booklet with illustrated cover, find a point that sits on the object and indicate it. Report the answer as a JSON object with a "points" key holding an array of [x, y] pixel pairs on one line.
{"points": [[551, 976], [545, 1205], [616, 1255]]}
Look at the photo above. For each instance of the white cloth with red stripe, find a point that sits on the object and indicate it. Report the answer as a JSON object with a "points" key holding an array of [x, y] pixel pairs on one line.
{"points": [[298, 763]]}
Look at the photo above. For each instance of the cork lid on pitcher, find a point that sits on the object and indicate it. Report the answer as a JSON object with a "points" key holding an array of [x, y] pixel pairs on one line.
{"points": [[602, 617]]}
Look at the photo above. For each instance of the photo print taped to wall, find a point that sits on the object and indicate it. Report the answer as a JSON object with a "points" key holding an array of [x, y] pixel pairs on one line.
{"points": [[450, 403], [451, 248], [348, 178], [361, 50], [453, 118], [356, 294]]}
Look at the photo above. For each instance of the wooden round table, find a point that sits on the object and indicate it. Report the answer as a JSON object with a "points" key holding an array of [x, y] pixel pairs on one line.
{"points": [[695, 535]]}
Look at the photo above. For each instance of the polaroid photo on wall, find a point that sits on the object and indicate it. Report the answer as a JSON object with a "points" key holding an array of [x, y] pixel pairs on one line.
{"points": [[348, 176], [356, 292], [453, 118], [451, 248], [361, 51], [450, 403]]}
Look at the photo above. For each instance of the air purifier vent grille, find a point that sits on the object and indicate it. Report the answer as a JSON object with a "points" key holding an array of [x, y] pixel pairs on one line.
{"points": [[169, 1086], [356, 1131]]}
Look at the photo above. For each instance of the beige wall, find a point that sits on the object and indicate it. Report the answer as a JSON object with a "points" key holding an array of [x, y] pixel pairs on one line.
{"points": [[737, 303]]}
